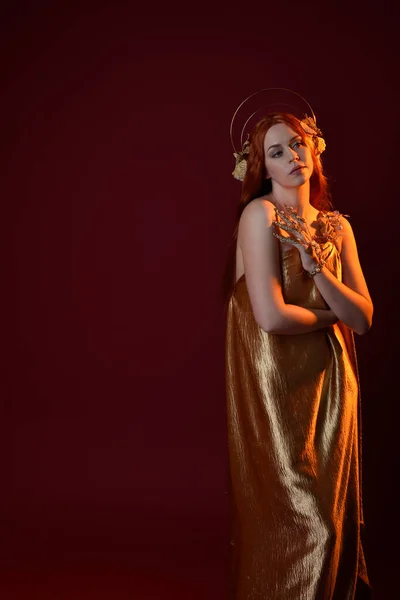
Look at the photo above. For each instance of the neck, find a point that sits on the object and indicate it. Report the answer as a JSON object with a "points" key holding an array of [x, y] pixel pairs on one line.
{"points": [[298, 198]]}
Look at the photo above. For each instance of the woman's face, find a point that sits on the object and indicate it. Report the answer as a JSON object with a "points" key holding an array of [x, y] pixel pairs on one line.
{"points": [[284, 151]]}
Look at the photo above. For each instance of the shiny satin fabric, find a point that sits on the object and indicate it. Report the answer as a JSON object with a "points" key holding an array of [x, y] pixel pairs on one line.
{"points": [[294, 441]]}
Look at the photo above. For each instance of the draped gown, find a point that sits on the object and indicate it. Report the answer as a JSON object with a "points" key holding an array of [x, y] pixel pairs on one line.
{"points": [[294, 442]]}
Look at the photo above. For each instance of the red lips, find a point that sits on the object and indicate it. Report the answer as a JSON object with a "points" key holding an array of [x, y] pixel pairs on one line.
{"points": [[296, 169]]}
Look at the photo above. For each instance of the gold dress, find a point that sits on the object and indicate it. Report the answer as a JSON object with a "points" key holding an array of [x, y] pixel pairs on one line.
{"points": [[294, 441]]}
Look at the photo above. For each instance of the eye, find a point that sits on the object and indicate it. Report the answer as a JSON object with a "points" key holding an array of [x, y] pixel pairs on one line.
{"points": [[298, 143], [277, 153]]}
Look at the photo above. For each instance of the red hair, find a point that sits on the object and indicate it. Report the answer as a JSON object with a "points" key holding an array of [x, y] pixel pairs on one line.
{"points": [[255, 184]]}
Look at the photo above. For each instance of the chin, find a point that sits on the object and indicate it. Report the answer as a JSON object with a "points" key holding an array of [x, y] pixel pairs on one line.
{"points": [[299, 180], [303, 175]]}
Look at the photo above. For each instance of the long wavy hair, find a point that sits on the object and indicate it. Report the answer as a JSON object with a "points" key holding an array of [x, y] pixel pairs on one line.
{"points": [[255, 185]]}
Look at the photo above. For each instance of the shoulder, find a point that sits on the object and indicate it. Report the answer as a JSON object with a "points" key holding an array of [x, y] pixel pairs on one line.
{"points": [[348, 250], [346, 230], [346, 225], [256, 220], [259, 208]]}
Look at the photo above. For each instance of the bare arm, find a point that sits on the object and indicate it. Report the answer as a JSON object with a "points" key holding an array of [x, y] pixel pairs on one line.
{"points": [[263, 278], [349, 299]]}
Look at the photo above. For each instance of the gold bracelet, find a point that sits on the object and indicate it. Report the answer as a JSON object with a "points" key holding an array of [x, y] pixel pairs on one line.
{"points": [[317, 269]]}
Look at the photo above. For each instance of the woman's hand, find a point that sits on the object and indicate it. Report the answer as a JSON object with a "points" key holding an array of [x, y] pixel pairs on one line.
{"points": [[299, 236]]}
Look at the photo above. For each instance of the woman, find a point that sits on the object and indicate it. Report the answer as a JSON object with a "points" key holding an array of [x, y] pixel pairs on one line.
{"points": [[293, 408]]}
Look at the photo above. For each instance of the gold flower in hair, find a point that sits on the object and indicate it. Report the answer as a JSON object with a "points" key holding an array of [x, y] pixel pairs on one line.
{"points": [[241, 161], [310, 127], [321, 144]]}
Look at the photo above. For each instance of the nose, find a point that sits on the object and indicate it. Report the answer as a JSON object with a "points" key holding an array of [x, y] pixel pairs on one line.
{"points": [[295, 156]]}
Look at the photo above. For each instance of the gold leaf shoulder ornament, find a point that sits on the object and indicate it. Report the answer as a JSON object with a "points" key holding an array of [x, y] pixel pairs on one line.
{"points": [[329, 226]]}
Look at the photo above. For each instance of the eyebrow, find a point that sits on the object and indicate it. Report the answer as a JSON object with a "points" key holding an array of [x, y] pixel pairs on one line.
{"points": [[275, 145]]}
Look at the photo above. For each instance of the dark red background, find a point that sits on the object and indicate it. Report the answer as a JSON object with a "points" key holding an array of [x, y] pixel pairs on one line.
{"points": [[117, 208]]}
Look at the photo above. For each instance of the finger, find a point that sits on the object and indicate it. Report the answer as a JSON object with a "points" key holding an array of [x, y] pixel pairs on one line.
{"points": [[314, 248], [290, 214], [286, 227], [289, 240], [295, 227], [293, 217], [293, 230], [285, 217]]}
